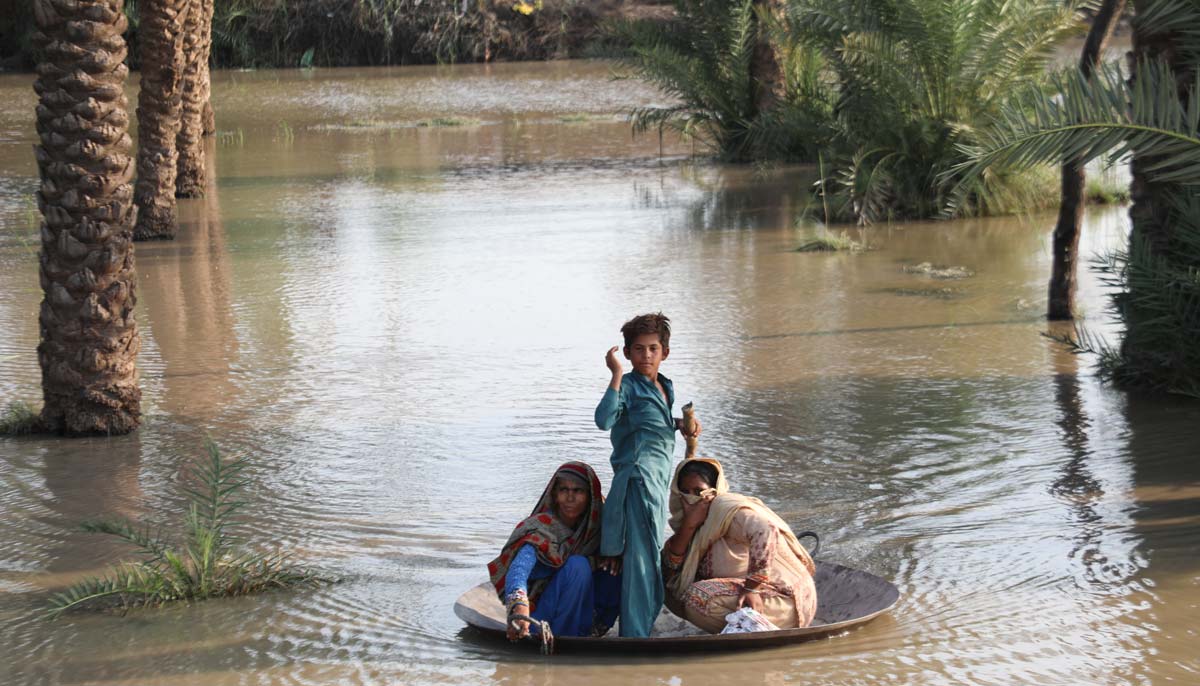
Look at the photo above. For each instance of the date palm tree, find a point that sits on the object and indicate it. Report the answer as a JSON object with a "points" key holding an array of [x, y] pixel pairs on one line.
{"points": [[916, 79], [1154, 117], [740, 86], [160, 35], [197, 32], [880, 94], [89, 338], [766, 67]]}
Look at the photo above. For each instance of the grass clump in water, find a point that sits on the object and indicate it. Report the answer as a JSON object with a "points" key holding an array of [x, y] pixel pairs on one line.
{"points": [[938, 271], [831, 243], [439, 122], [582, 117], [935, 293], [1105, 189], [18, 419], [207, 563]]}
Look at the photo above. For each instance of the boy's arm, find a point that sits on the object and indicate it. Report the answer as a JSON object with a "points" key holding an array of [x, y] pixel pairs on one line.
{"points": [[609, 408]]}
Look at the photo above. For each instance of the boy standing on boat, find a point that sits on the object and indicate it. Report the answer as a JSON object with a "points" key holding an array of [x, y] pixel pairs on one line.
{"points": [[637, 409]]}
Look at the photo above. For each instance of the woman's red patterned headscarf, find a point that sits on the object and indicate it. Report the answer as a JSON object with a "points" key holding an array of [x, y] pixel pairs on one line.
{"points": [[553, 541]]}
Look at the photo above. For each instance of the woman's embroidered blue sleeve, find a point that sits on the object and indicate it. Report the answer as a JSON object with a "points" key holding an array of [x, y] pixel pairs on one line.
{"points": [[518, 572]]}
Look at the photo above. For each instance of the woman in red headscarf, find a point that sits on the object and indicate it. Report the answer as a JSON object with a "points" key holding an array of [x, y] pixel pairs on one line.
{"points": [[545, 570]]}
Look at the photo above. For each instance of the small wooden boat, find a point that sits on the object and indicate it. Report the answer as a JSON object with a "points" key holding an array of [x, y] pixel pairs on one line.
{"points": [[846, 598]]}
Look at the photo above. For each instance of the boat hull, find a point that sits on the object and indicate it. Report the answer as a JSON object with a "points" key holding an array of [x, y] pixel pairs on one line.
{"points": [[846, 598]]}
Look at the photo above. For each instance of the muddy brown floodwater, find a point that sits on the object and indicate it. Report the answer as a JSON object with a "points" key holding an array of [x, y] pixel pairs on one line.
{"points": [[404, 326]]}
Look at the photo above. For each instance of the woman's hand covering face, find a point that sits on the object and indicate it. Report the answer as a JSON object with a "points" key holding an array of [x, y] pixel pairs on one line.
{"points": [[695, 508], [694, 498]]}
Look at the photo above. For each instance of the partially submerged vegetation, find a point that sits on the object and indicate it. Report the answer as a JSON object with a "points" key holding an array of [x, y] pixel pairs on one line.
{"points": [[207, 563], [839, 242], [885, 96], [1153, 116], [444, 122], [936, 271], [934, 293], [584, 117], [18, 419], [371, 125], [1107, 189]]}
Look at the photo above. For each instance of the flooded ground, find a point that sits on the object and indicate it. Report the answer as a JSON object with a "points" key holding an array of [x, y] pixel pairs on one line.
{"points": [[403, 323]]}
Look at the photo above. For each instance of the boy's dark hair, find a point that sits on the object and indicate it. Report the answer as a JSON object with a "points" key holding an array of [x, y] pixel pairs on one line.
{"points": [[648, 323]]}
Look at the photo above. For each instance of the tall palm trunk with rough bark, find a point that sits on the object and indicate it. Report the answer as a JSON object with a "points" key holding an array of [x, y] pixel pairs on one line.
{"points": [[1061, 304], [160, 33], [89, 338], [197, 42], [766, 69], [207, 118], [1150, 240]]}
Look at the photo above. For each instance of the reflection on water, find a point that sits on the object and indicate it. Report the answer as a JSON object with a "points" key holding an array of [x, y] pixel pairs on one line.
{"points": [[404, 326]]}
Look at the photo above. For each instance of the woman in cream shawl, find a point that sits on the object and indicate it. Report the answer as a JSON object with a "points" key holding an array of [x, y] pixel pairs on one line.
{"points": [[730, 551]]}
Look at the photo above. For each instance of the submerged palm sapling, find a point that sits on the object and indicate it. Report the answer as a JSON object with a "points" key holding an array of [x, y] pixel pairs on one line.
{"points": [[207, 563]]}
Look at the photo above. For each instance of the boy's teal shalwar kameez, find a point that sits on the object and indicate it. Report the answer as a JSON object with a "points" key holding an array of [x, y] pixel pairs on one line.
{"points": [[635, 512]]}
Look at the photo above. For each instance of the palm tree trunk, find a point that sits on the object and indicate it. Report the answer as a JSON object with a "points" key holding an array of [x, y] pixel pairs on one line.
{"points": [[159, 104], [190, 181], [89, 338], [208, 119], [1070, 212], [1149, 210], [1150, 238], [766, 70]]}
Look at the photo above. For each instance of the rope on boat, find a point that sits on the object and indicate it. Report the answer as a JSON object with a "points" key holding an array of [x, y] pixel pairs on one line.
{"points": [[543, 629]]}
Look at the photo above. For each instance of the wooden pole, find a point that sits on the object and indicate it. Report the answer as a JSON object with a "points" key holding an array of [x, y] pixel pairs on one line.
{"points": [[689, 423]]}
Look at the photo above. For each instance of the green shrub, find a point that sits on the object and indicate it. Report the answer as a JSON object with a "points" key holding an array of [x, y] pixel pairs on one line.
{"points": [[18, 419], [1106, 189]]}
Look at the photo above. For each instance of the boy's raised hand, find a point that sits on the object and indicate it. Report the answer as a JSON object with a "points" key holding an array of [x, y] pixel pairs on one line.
{"points": [[613, 362]]}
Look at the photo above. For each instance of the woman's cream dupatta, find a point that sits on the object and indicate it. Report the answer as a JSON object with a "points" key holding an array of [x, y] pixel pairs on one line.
{"points": [[720, 516]]}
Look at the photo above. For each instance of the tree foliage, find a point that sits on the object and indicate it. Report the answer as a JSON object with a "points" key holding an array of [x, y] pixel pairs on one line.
{"points": [[885, 94], [1155, 116], [703, 62], [1109, 115]]}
